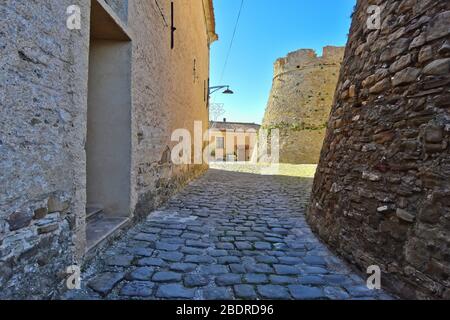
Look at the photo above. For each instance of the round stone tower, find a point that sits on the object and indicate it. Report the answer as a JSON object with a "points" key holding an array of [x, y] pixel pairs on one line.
{"points": [[381, 194], [300, 102]]}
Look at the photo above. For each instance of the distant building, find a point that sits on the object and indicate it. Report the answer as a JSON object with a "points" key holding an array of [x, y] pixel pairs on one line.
{"points": [[233, 141]]}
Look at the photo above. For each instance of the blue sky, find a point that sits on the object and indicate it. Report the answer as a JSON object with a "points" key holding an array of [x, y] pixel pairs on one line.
{"points": [[268, 30]]}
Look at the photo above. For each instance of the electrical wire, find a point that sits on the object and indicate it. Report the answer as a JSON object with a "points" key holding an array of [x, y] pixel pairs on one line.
{"points": [[161, 13], [232, 40]]}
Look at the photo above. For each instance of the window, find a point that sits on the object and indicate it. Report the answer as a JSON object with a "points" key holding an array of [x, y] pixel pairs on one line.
{"points": [[220, 142]]}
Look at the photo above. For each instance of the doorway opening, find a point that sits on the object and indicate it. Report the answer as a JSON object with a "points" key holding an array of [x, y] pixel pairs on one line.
{"points": [[108, 144]]}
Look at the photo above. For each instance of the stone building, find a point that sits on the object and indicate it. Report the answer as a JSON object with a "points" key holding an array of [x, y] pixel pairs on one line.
{"points": [[300, 102], [86, 120], [381, 195], [233, 141]]}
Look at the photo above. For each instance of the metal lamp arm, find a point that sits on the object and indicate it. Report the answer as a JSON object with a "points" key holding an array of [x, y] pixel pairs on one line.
{"points": [[216, 88]]}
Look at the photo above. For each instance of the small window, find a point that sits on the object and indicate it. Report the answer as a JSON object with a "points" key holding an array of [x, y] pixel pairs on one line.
{"points": [[220, 142]]}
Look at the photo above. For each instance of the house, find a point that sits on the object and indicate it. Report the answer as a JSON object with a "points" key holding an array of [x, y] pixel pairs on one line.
{"points": [[233, 141]]}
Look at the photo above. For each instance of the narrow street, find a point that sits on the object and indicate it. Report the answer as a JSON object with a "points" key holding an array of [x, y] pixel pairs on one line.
{"points": [[228, 235]]}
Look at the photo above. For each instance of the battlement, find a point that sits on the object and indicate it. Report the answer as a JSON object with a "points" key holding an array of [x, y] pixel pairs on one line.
{"points": [[304, 58]]}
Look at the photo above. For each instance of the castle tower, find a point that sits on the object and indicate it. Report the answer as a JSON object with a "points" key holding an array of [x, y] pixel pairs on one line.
{"points": [[300, 102]]}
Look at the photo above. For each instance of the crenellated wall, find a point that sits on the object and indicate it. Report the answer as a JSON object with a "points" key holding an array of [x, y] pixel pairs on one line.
{"points": [[300, 102], [381, 194]]}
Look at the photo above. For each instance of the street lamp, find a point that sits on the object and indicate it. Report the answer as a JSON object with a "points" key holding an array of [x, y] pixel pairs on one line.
{"points": [[217, 88]]}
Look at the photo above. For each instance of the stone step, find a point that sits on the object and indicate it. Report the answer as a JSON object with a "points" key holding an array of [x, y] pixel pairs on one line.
{"points": [[102, 228], [92, 211]]}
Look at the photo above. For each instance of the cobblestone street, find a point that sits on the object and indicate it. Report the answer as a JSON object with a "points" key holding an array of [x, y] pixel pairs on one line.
{"points": [[227, 235]]}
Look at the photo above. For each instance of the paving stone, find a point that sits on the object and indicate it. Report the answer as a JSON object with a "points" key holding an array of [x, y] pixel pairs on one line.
{"points": [[191, 236], [228, 260], [263, 246], [315, 261], [140, 251], [192, 251], [241, 245], [198, 229], [105, 282], [171, 256], [314, 270], [312, 280], [275, 279], [300, 292], [282, 269], [213, 269], [167, 246], [217, 253], [137, 289], [197, 244], [336, 293], [254, 278], [151, 262], [245, 291], [266, 259], [250, 254], [290, 260], [259, 268], [141, 274], [173, 240], [228, 279], [337, 279], [183, 267], [151, 230], [281, 231], [166, 276], [271, 291], [175, 233], [175, 226], [359, 291], [174, 291], [199, 259], [273, 240], [195, 280], [217, 294], [146, 237], [277, 253], [237, 268], [120, 261], [225, 246], [280, 246]]}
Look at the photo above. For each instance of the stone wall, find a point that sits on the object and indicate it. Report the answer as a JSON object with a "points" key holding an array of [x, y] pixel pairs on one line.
{"points": [[42, 124], [381, 194], [169, 92], [43, 112], [300, 102]]}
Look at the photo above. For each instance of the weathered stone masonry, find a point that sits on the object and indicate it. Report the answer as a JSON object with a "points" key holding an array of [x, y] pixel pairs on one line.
{"points": [[300, 102], [43, 121], [382, 191]]}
